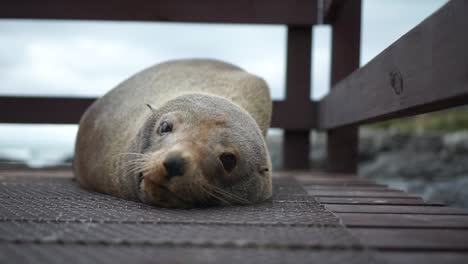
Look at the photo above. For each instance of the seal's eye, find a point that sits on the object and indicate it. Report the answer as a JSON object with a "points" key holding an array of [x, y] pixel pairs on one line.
{"points": [[229, 161], [164, 128]]}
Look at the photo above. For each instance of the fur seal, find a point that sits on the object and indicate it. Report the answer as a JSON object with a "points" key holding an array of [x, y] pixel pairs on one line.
{"points": [[183, 133]]}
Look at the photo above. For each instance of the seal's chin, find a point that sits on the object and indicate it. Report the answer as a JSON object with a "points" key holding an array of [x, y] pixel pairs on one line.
{"points": [[156, 194], [161, 195]]}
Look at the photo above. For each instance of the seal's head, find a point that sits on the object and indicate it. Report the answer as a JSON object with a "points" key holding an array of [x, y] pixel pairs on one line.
{"points": [[200, 150]]}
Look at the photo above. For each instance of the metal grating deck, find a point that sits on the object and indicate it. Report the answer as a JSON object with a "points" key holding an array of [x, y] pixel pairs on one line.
{"points": [[48, 219]]}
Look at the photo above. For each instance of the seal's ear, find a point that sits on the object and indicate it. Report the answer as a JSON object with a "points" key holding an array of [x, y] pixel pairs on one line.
{"points": [[152, 108]]}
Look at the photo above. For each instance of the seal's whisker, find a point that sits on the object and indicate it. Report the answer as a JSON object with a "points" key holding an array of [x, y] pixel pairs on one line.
{"points": [[138, 159], [204, 188], [147, 167], [133, 163], [142, 169], [230, 195], [134, 153], [212, 188], [131, 154], [144, 159], [135, 166], [134, 170], [235, 198]]}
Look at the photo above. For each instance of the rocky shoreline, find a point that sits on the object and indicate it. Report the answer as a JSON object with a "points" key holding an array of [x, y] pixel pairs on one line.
{"points": [[433, 165]]}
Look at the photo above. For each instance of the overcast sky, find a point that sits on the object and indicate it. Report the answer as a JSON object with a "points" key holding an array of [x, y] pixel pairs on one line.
{"points": [[89, 58]]}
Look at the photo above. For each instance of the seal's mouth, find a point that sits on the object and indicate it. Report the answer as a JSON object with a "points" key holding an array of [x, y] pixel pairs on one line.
{"points": [[169, 196], [140, 179]]}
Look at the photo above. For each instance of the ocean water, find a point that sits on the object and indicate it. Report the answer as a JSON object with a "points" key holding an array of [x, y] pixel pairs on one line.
{"points": [[37, 145]]}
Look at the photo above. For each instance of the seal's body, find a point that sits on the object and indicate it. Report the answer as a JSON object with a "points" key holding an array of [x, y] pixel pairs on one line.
{"points": [[179, 134]]}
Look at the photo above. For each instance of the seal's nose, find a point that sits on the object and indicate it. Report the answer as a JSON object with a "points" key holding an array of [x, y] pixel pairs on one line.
{"points": [[174, 165]]}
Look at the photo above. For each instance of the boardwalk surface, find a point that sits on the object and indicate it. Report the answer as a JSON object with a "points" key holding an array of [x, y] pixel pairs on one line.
{"points": [[312, 218]]}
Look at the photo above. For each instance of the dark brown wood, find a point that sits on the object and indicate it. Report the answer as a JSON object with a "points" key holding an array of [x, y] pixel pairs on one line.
{"points": [[330, 10], [414, 239], [336, 182], [345, 184], [342, 144], [374, 201], [349, 188], [328, 177], [298, 76], [356, 194], [297, 12], [395, 209], [52, 110], [425, 70], [426, 257], [332, 180], [68, 110], [296, 149], [404, 220], [307, 175], [304, 118]]}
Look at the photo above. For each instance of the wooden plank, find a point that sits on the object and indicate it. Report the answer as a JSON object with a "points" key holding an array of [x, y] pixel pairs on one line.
{"points": [[330, 9], [412, 239], [425, 70], [356, 194], [342, 144], [307, 175], [333, 179], [375, 201], [338, 182], [394, 209], [404, 220], [304, 116], [297, 12], [68, 110], [344, 184], [298, 76], [426, 257], [346, 35], [52, 110], [342, 150], [349, 188], [295, 149]]}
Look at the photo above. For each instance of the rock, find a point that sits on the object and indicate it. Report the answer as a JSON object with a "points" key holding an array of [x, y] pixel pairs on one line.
{"points": [[414, 165], [456, 143], [424, 142], [452, 192], [372, 142], [432, 165]]}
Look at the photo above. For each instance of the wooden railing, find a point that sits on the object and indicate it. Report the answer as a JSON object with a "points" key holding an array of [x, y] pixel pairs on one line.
{"points": [[425, 70]]}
